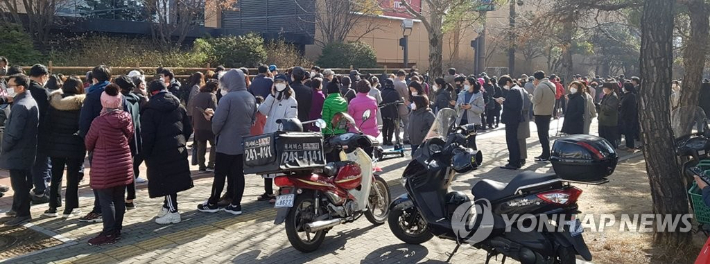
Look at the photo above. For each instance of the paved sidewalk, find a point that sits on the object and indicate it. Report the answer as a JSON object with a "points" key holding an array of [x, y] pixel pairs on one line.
{"points": [[252, 237]]}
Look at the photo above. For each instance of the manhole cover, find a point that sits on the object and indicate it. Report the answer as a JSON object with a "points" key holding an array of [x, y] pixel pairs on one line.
{"points": [[6, 241]]}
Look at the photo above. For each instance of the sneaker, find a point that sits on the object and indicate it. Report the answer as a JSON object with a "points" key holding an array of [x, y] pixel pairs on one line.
{"points": [[4, 188], [70, 212], [163, 212], [206, 207], [141, 180], [202, 170], [130, 206], [169, 218], [40, 199], [91, 218], [265, 197], [102, 239], [51, 212], [233, 209], [18, 221], [11, 213]]}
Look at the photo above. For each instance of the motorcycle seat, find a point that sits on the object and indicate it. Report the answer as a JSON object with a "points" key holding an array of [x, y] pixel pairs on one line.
{"points": [[493, 190]]}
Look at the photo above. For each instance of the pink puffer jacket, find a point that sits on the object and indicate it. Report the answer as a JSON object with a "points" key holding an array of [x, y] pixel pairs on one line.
{"points": [[357, 107]]}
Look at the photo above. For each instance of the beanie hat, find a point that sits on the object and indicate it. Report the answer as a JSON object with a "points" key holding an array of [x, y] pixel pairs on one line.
{"points": [[111, 98]]}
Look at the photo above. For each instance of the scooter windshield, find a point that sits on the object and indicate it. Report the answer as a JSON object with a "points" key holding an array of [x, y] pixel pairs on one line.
{"points": [[444, 124], [688, 120]]}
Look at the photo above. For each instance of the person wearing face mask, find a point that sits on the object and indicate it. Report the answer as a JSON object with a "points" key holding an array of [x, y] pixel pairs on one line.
{"points": [[512, 116], [280, 104], [628, 115], [422, 119], [470, 105], [574, 117], [444, 96], [609, 115], [415, 88]]}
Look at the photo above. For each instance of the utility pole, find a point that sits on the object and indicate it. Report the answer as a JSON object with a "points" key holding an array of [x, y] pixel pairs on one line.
{"points": [[511, 47], [407, 24]]}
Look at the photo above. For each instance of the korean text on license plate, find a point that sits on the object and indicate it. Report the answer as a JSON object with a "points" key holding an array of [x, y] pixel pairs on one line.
{"points": [[575, 227], [285, 200]]}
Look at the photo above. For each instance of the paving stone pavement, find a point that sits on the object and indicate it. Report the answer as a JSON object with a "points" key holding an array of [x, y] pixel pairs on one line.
{"points": [[252, 237]]}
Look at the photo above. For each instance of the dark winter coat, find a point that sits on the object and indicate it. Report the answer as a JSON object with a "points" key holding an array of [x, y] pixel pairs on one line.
{"points": [[174, 87], [40, 95], [609, 110], [390, 111], [201, 125], [165, 129], [704, 101], [574, 116], [108, 138], [443, 98], [628, 113], [419, 124], [513, 106], [133, 103], [261, 86], [19, 141], [304, 97], [62, 126]]}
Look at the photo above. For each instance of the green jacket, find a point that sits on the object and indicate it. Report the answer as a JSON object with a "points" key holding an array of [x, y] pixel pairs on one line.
{"points": [[609, 110], [333, 104]]}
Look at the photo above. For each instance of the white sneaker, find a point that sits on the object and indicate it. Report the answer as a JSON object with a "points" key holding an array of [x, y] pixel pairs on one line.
{"points": [[163, 212], [141, 180], [74, 212], [170, 218]]}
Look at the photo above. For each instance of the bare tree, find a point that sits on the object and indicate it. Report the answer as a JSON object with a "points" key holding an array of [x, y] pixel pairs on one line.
{"points": [[174, 19], [336, 20], [40, 16]]}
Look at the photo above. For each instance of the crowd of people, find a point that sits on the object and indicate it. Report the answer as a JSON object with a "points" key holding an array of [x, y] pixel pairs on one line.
{"points": [[120, 122]]}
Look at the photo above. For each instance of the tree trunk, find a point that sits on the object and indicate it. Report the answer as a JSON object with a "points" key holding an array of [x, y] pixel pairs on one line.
{"points": [[567, 33], [695, 52], [436, 51], [667, 190]]}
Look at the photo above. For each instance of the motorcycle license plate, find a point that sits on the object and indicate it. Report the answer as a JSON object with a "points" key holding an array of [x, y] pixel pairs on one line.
{"points": [[285, 200], [575, 227]]}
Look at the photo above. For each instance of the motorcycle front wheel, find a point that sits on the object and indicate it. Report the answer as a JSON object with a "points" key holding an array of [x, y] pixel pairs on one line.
{"points": [[378, 202], [409, 226], [303, 212]]}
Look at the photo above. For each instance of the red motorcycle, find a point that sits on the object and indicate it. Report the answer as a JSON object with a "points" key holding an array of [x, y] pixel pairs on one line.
{"points": [[313, 203]]}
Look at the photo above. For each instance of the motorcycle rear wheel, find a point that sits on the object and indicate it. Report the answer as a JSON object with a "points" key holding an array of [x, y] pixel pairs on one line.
{"points": [[301, 214], [380, 205], [416, 232]]}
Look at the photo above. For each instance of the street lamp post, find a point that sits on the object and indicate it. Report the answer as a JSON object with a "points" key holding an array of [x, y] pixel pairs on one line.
{"points": [[511, 47], [407, 24]]}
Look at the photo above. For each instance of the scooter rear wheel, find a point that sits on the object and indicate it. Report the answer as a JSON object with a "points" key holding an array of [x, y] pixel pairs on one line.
{"points": [[303, 212], [409, 226]]}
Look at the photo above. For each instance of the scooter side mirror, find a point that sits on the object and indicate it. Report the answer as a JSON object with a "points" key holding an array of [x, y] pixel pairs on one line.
{"points": [[366, 115], [320, 123]]}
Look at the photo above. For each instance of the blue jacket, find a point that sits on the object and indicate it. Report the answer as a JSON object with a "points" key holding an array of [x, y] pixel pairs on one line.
{"points": [[92, 107]]}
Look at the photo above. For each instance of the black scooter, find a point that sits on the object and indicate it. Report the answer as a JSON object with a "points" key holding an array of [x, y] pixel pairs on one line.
{"points": [[428, 209]]}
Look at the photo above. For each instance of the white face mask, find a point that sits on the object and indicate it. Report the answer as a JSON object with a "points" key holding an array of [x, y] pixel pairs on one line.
{"points": [[573, 90], [413, 106], [223, 91], [623, 89], [313, 74], [506, 87], [467, 87], [415, 93], [435, 87], [280, 86]]}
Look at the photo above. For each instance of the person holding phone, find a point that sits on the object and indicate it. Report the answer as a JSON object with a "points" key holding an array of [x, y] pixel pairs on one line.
{"points": [[470, 105], [512, 116]]}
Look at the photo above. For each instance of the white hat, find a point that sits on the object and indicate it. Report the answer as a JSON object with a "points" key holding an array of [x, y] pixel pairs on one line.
{"points": [[136, 74]]}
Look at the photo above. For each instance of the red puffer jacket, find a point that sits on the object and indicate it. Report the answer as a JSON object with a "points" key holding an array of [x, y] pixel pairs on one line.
{"points": [[108, 138]]}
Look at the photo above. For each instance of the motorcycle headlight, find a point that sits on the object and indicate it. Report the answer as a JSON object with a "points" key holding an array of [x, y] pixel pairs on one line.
{"points": [[403, 181]]}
